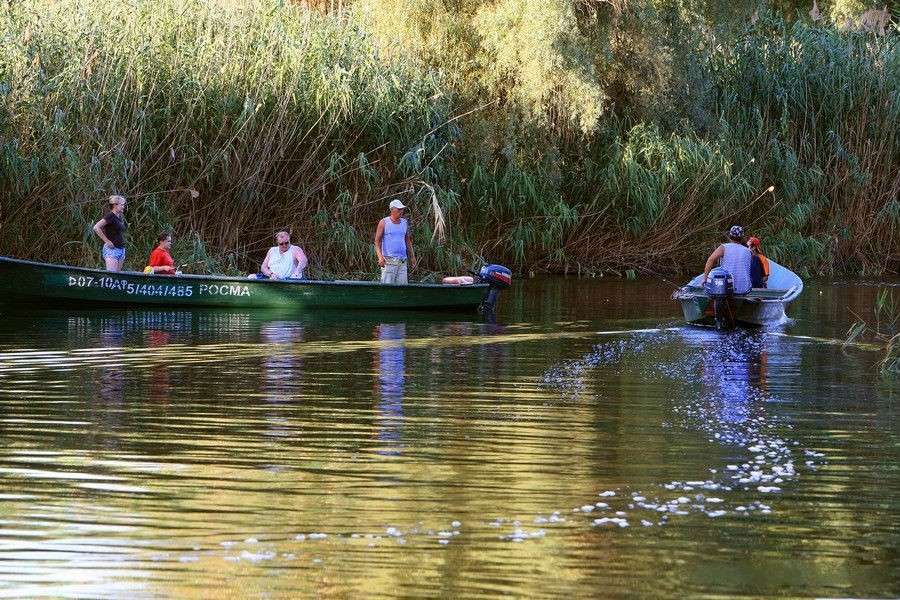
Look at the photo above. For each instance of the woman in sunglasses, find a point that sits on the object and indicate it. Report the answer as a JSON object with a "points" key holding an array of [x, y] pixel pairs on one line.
{"points": [[283, 261]]}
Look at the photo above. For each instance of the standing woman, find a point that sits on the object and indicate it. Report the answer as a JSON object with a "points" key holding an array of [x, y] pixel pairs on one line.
{"points": [[111, 229]]}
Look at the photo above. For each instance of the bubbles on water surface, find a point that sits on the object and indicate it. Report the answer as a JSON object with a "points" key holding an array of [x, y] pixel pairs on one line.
{"points": [[719, 390]]}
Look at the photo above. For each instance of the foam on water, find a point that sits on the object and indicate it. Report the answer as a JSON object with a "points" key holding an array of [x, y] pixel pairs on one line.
{"points": [[723, 403]]}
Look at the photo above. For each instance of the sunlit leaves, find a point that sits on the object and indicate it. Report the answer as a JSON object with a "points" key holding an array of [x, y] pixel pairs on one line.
{"points": [[535, 51]]}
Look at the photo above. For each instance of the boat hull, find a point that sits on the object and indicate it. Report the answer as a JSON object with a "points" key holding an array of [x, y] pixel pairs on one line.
{"points": [[758, 307], [40, 283], [751, 311]]}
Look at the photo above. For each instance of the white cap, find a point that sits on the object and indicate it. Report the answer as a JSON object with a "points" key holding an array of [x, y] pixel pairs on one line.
{"points": [[395, 204]]}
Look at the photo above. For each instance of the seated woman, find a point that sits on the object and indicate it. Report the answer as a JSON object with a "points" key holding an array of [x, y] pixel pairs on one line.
{"points": [[161, 262], [283, 261], [759, 266]]}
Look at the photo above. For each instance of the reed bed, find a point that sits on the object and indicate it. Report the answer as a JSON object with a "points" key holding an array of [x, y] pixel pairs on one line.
{"points": [[225, 122], [882, 329]]}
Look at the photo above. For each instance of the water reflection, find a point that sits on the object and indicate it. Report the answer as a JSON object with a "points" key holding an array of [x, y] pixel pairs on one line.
{"points": [[160, 377], [733, 371], [111, 384], [736, 367], [390, 369], [180, 499], [282, 368]]}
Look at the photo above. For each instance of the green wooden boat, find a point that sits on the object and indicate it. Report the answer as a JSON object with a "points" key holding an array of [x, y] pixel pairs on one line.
{"points": [[758, 307], [37, 283]]}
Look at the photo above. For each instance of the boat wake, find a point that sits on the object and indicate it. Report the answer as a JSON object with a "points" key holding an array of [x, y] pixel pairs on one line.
{"points": [[722, 393]]}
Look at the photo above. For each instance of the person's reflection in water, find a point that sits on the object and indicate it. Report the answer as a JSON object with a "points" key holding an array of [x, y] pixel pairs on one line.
{"points": [[282, 370], [160, 383], [734, 372], [111, 382], [390, 366], [281, 366]]}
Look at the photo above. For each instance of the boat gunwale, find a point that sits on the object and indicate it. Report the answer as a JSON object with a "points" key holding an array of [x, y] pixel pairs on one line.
{"points": [[161, 279], [693, 293]]}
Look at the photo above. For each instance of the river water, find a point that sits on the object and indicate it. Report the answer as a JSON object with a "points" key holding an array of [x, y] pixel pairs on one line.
{"points": [[585, 444]]}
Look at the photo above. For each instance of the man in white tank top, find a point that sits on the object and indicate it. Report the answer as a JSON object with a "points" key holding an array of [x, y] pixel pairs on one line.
{"points": [[283, 261], [735, 257]]}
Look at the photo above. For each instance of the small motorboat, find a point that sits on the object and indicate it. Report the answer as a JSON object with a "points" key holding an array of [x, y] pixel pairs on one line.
{"points": [[716, 305], [40, 284]]}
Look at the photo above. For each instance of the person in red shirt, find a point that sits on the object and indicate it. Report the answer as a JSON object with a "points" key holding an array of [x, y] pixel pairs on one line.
{"points": [[161, 261], [759, 267]]}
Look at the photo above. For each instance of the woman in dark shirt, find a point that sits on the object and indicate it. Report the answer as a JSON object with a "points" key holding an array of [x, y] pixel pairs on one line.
{"points": [[111, 229]]}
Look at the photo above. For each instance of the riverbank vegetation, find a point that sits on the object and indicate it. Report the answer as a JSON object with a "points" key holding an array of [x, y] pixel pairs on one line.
{"points": [[550, 135], [881, 327]]}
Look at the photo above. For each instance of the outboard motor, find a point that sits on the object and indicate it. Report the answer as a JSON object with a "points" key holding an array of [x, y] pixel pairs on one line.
{"points": [[499, 278], [719, 287]]}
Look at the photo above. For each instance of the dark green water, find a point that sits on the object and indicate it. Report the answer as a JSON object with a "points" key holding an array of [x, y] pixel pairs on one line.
{"points": [[231, 454]]}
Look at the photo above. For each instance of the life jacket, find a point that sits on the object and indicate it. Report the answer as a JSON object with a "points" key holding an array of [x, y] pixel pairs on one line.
{"points": [[765, 264]]}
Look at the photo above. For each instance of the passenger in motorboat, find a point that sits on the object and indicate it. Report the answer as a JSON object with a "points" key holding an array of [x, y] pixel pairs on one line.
{"points": [[735, 257], [283, 261], [759, 267]]}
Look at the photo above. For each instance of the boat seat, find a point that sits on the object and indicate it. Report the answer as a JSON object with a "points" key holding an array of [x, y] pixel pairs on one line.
{"points": [[767, 293]]}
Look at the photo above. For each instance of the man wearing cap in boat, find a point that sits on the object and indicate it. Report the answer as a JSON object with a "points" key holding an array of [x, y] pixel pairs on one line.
{"points": [[735, 257], [393, 245]]}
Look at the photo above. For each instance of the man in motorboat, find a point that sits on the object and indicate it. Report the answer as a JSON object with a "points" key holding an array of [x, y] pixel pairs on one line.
{"points": [[735, 257], [283, 261], [759, 268]]}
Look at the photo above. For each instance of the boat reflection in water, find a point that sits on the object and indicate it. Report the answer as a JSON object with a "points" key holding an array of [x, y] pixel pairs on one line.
{"points": [[288, 356], [390, 369]]}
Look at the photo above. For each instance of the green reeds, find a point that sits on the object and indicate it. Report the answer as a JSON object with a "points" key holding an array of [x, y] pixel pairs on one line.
{"points": [[227, 121], [883, 330], [820, 109]]}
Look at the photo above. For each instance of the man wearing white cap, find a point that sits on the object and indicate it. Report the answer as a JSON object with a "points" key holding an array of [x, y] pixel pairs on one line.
{"points": [[393, 245]]}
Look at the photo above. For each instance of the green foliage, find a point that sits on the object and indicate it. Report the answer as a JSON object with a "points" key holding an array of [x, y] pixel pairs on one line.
{"points": [[535, 52], [882, 328], [548, 134], [267, 111], [821, 106], [842, 10]]}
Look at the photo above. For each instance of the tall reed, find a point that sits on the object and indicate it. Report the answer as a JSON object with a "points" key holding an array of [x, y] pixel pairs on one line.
{"points": [[229, 121], [224, 121], [882, 329]]}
